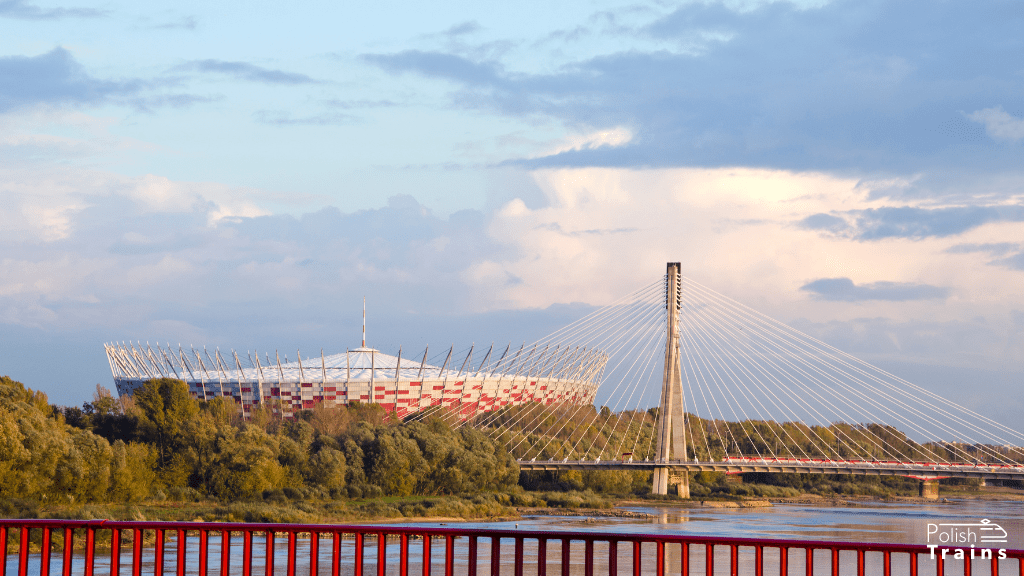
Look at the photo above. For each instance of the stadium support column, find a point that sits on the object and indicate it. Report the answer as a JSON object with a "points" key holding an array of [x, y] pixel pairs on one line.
{"points": [[671, 439]]}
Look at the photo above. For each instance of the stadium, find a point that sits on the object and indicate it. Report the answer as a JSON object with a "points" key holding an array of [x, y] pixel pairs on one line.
{"points": [[403, 386]]}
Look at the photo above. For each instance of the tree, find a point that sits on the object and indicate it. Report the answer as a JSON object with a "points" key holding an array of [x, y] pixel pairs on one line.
{"points": [[163, 407]]}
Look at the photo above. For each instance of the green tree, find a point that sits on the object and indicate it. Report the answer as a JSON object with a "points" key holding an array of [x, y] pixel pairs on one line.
{"points": [[163, 407]]}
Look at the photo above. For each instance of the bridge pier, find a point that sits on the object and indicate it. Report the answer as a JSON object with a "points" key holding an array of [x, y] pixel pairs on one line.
{"points": [[682, 483], [671, 434], [930, 489]]}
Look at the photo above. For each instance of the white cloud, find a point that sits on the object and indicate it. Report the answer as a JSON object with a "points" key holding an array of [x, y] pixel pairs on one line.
{"points": [[999, 124], [611, 137], [605, 232]]}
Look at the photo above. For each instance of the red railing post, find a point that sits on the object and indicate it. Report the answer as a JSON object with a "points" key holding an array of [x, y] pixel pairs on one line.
{"points": [[69, 549], [449, 556], [967, 565], [659, 548], [204, 554], [158, 553], [180, 567], [3, 550], [23, 552], [783, 561], [426, 555], [809, 562], [913, 564], [940, 568], [613, 558], [588, 557], [994, 571], [382, 553], [886, 563], [247, 553], [860, 563], [336, 553], [358, 553], [835, 562], [225, 552], [496, 556], [136, 551], [403, 556], [684, 559], [758, 561], [44, 552], [471, 567], [292, 537], [637, 559], [734, 560], [709, 559], [115, 553], [518, 567], [314, 553], [269, 564]]}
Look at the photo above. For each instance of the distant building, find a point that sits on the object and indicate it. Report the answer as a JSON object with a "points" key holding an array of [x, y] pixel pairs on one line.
{"points": [[366, 375]]}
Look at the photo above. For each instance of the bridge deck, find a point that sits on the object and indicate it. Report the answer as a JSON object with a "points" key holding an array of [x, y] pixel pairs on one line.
{"points": [[736, 466]]}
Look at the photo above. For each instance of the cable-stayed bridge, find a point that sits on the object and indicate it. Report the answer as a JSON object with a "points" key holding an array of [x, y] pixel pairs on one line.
{"points": [[697, 381]]}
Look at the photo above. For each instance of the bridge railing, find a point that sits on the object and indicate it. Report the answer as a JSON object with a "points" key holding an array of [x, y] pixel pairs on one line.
{"points": [[95, 547]]}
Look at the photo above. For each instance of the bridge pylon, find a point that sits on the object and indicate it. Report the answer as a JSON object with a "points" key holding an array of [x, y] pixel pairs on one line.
{"points": [[671, 433]]}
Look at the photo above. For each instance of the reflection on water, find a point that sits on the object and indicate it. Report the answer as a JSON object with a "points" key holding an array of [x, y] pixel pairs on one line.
{"points": [[872, 522]]}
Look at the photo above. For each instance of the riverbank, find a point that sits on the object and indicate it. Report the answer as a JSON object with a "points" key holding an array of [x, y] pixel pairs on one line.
{"points": [[479, 507]]}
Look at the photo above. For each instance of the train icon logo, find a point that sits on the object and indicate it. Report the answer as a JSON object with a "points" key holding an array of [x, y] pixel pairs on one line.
{"points": [[982, 532]]}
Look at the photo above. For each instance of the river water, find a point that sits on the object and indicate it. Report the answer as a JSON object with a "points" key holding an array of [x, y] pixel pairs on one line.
{"points": [[861, 522]]}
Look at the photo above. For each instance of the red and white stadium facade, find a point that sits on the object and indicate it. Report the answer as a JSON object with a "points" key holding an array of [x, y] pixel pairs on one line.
{"points": [[400, 385]]}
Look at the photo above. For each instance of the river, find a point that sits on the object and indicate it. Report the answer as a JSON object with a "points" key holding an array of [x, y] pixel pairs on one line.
{"points": [[851, 522]]}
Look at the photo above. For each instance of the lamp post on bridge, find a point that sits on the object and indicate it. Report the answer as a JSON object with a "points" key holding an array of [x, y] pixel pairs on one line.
{"points": [[671, 437]]}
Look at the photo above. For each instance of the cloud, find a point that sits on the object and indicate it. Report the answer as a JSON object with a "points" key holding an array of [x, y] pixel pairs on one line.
{"points": [[441, 65], [999, 124], [21, 10], [995, 249], [844, 290], [53, 78], [247, 71], [841, 85], [183, 23], [282, 118], [1015, 262], [469, 27], [910, 222]]}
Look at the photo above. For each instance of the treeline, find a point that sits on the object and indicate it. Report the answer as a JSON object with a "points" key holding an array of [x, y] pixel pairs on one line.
{"points": [[162, 442], [587, 433]]}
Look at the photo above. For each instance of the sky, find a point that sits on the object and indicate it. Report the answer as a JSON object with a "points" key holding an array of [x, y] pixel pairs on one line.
{"points": [[242, 175]]}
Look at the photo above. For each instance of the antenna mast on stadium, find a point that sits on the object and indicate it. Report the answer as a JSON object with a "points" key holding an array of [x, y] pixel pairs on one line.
{"points": [[364, 321]]}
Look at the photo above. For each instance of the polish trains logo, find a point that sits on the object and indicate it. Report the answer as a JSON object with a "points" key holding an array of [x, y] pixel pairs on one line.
{"points": [[962, 538]]}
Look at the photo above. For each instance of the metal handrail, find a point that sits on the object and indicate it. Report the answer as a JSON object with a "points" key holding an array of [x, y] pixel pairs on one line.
{"points": [[361, 535]]}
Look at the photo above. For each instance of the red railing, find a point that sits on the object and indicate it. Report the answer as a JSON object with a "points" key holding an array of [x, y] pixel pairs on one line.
{"points": [[344, 549]]}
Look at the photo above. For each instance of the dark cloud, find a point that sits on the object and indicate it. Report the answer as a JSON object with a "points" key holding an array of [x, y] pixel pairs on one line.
{"points": [[53, 78], [825, 222], [844, 290], [247, 71], [23, 11], [849, 85], [908, 222], [464, 28], [1015, 262], [1003, 252], [993, 248], [448, 66]]}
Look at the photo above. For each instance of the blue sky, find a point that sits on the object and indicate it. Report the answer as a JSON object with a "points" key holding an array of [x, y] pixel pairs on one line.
{"points": [[240, 175]]}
